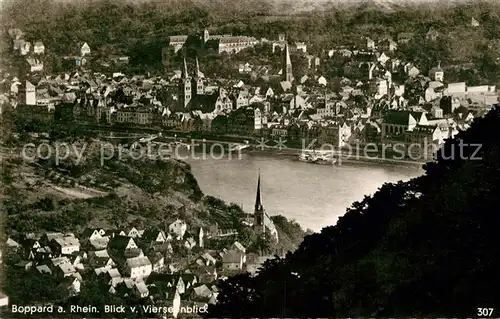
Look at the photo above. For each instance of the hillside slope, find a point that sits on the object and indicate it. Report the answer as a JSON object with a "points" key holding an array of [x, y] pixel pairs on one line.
{"points": [[40, 195], [427, 247]]}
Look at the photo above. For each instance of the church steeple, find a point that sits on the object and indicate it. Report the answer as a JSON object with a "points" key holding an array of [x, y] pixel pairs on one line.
{"points": [[258, 202], [197, 68], [197, 86], [287, 65], [258, 215], [185, 70], [185, 86]]}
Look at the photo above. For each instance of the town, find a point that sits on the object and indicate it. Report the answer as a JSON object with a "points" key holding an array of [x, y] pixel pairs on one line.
{"points": [[385, 100], [175, 268], [262, 102]]}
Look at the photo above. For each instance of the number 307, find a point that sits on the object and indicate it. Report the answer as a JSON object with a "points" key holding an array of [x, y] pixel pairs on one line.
{"points": [[484, 312]]}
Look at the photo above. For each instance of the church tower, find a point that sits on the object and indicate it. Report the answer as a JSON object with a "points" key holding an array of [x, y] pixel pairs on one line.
{"points": [[206, 36], [287, 74], [197, 87], [439, 73], [185, 86], [258, 214]]}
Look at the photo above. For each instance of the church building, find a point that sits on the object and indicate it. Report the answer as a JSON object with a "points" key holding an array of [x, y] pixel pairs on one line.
{"points": [[262, 222]]}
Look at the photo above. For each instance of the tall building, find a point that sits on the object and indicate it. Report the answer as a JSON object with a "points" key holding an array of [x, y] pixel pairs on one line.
{"points": [[197, 87], [185, 86], [287, 66], [27, 93], [258, 214], [206, 36], [262, 222], [439, 73]]}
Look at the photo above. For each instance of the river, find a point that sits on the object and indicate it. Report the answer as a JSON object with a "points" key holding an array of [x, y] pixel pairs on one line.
{"points": [[314, 195]]}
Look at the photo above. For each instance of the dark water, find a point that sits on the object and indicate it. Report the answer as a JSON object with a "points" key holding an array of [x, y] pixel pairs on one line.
{"points": [[314, 195]]}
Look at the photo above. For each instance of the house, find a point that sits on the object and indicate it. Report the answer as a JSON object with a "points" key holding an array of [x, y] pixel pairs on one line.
{"points": [[432, 135], [4, 300], [236, 245], [213, 299], [76, 261], [90, 233], [174, 302], [141, 290], [102, 270], [44, 269], [178, 228], [180, 287], [413, 71], [138, 267], [313, 61], [130, 232], [370, 44], [154, 236], [245, 68], [201, 293], [436, 112], [65, 269], [405, 37], [190, 243], [99, 243], [122, 243], [177, 41], [387, 45], [322, 81], [34, 64], [157, 261], [383, 58], [189, 279], [233, 260], [379, 86], [27, 93], [24, 264], [474, 23], [65, 245], [434, 91], [98, 254], [301, 46], [11, 243], [47, 237], [208, 274], [207, 259], [396, 123], [113, 277], [25, 48], [71, 285], [455, 89], [38, 48], [231, 44], [84, 49]]}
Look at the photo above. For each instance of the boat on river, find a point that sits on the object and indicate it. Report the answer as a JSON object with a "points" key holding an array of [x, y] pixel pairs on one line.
{"points": [[317, 157], [238, 146]]}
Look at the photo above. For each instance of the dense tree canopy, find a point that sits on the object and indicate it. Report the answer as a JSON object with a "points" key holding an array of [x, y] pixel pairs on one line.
{"points": [[426, 247]]}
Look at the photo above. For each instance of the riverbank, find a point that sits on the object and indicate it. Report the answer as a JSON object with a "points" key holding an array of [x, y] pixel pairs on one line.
{"points": [[350, 155], [345, 156]]}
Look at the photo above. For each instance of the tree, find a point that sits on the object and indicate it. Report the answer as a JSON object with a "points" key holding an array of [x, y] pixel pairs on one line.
{"points": [[389, 255]]}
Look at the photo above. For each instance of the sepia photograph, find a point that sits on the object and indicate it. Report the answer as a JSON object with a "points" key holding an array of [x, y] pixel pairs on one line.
{"points": [[249, 159]]}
